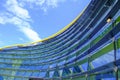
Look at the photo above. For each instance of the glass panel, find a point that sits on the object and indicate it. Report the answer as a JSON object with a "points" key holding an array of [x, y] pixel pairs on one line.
{"points": [[39, 67], [27, 73], [45, 67], [109, 79], [1, 77], [42, 74], [84, 66], [109, 57], [70, 59], [56, 74], [17, 79], [118, 54], [119, 74], [76, 69], [5, 77], [35, 74], [20, 73], [31, 67], [61, 63], [60, 71], [51, 74], [52, 65]]}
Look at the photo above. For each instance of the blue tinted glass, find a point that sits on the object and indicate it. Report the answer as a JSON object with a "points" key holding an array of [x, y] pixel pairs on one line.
{"points": [[45, 67], [52, 65], [118, 54], [42, 74], [1, 78], [109, 79], [109, 57], [51, 74], [35, 74], [28, 73], [84, 66]]}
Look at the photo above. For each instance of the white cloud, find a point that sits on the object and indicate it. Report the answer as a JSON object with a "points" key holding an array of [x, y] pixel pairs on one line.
{"points": [[13, 7], [42, 4], [17, 15], [30, 33], [23, 26], [1, 20], [20, 18]]}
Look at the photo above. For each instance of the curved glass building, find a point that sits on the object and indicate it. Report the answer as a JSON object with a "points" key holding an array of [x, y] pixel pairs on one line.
{"points": [[87, 49]]}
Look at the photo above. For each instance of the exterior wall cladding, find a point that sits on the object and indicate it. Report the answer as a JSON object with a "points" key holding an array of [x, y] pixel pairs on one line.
{"points": [[88, 50]]}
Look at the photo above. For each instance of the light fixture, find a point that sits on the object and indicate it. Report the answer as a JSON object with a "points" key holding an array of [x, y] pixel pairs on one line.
{"points": [[109, 19]]}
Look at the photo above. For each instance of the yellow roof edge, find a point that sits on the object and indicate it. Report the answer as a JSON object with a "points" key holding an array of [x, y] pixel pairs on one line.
{"points": [[52, 36], [66, 27], [20, 45]]}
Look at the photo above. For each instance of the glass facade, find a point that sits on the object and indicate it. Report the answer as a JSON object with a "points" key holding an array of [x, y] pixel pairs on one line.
{"points": [[88, 50]]}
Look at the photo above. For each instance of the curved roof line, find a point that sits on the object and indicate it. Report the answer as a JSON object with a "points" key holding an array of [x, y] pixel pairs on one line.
{"points": [[52, 36], [65, 28]]}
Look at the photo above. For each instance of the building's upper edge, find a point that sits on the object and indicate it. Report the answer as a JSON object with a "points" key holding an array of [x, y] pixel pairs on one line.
{"points": [[50, 37]]}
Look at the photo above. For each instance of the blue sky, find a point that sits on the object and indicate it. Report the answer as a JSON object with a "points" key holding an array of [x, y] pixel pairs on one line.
{"points": [[23, 21]]}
